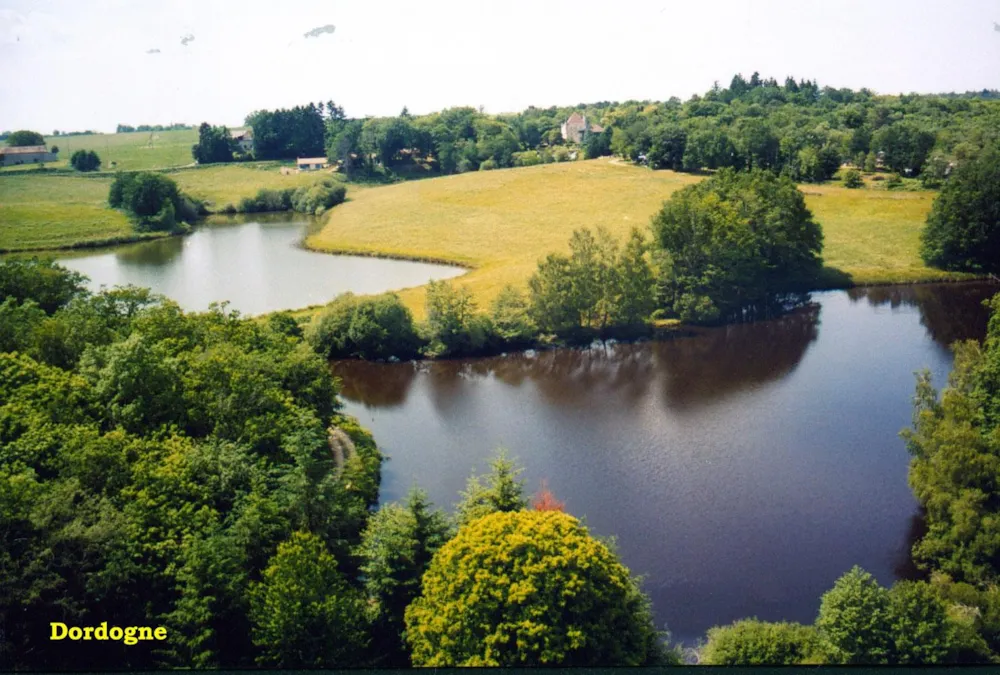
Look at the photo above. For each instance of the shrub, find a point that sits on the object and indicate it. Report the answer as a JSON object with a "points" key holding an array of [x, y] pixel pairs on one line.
{"points": [[153, 199], [454, 327], [369, 328], [323, 195], [852, 179], [560, 154], [228, 210], [488, 164], [529, 588], [894, 182], [527, 158], [750, 642]]}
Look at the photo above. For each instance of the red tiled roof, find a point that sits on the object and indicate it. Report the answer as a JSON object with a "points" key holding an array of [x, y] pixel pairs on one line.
{"points": [[575, 118]]}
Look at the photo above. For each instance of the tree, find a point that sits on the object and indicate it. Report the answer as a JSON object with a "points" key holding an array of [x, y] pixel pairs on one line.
{"points": [[499, 491], [529, 588], [751, 642], [734, 241], [304, 613], [215, 144], [955, 463], [509, 313], [377, 327], [85, 160], [152, 199], [922, 633], [855, 620], [43, 281], [963, 227], [453, 325], [904, 145], [396, 549], [24, 137]]}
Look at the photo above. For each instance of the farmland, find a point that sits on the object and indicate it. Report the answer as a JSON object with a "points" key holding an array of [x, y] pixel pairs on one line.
{"points": [[502, 222]]}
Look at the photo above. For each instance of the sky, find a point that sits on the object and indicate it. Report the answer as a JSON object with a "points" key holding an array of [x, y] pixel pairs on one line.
{"points": [[92, 64]]}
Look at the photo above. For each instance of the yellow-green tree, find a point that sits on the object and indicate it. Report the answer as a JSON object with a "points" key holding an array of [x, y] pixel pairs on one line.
{"points": [[530, 588]]}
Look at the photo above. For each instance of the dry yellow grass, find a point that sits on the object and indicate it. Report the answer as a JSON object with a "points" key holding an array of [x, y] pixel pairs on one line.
{"points": [[502, 222]]}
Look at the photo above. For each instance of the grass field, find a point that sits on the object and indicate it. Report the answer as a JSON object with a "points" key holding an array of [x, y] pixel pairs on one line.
{"points": [[502, 222], [131, 152], [223, 184], [47, 210], [57, 211]]}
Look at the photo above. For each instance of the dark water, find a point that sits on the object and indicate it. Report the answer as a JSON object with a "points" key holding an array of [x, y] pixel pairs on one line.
{"points": [[741, 471], [257, 266]]}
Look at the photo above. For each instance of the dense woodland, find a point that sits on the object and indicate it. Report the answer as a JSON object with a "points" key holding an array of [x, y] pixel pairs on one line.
{"points": [[793, 127]]}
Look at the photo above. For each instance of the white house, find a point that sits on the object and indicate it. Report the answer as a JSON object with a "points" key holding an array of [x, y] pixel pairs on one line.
{"points": [[244, 139]]}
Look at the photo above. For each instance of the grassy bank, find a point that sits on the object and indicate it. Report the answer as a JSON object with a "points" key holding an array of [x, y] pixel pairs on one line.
{"points": [[502, 222], [51, 210]]}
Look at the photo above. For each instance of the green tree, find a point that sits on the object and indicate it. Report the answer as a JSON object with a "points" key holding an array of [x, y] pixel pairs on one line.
{"points": [[963, 227], [396, 549], [377, 327], [855, 620], [750, 642], [529, 588], [24, 137], [922, 633], [454, 327], [905, 146], [215, 144], [304, 613], [734, 241], [509, 313], [501, 490], [44, 281], [85, 160]]}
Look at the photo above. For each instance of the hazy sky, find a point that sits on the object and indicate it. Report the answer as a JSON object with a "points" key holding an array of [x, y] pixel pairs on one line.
{"points": [[90, 64]]}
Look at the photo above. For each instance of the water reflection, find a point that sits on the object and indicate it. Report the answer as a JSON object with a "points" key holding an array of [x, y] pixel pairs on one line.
{"points": [[742, 470], [949, 312], [151, 254], [257, 266], [690, 371]]}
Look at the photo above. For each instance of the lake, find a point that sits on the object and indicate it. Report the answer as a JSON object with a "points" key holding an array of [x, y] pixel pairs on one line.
{"points": [[258, 266], [741, 470]]}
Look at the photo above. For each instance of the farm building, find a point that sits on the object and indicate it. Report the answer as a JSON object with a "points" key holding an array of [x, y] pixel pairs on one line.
{"points": [[311, 163], [26, 154], [244, 139], [575, 129]]}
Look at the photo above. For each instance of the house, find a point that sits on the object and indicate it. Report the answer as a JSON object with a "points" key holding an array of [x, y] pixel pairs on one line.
{"points": [[576, 128], [244, 140], [311, 163], [26, 154]]}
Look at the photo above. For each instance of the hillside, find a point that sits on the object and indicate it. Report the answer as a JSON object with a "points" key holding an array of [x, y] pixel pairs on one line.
{"points": [[502, 222]]}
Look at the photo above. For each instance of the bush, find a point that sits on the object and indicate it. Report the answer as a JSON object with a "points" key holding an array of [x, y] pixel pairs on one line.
{"points": [[85, 160], [963, 227], [852, 179], [488, 164], [529, 588], [376, 327], [228, 210], [560, 154], [323, 195], [894, 182], [527, 158], [750, 642]]}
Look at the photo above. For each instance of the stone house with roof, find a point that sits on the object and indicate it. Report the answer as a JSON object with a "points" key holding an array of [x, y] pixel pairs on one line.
{"points": [[244, 140], [26, 154], [576, 128]]}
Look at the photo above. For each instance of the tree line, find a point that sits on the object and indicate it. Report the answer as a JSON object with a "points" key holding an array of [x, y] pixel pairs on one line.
{"points": [[796, 127]]}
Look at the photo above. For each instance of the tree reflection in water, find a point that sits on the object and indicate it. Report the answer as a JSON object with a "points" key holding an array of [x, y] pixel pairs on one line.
{"points": [[949, 312]]}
